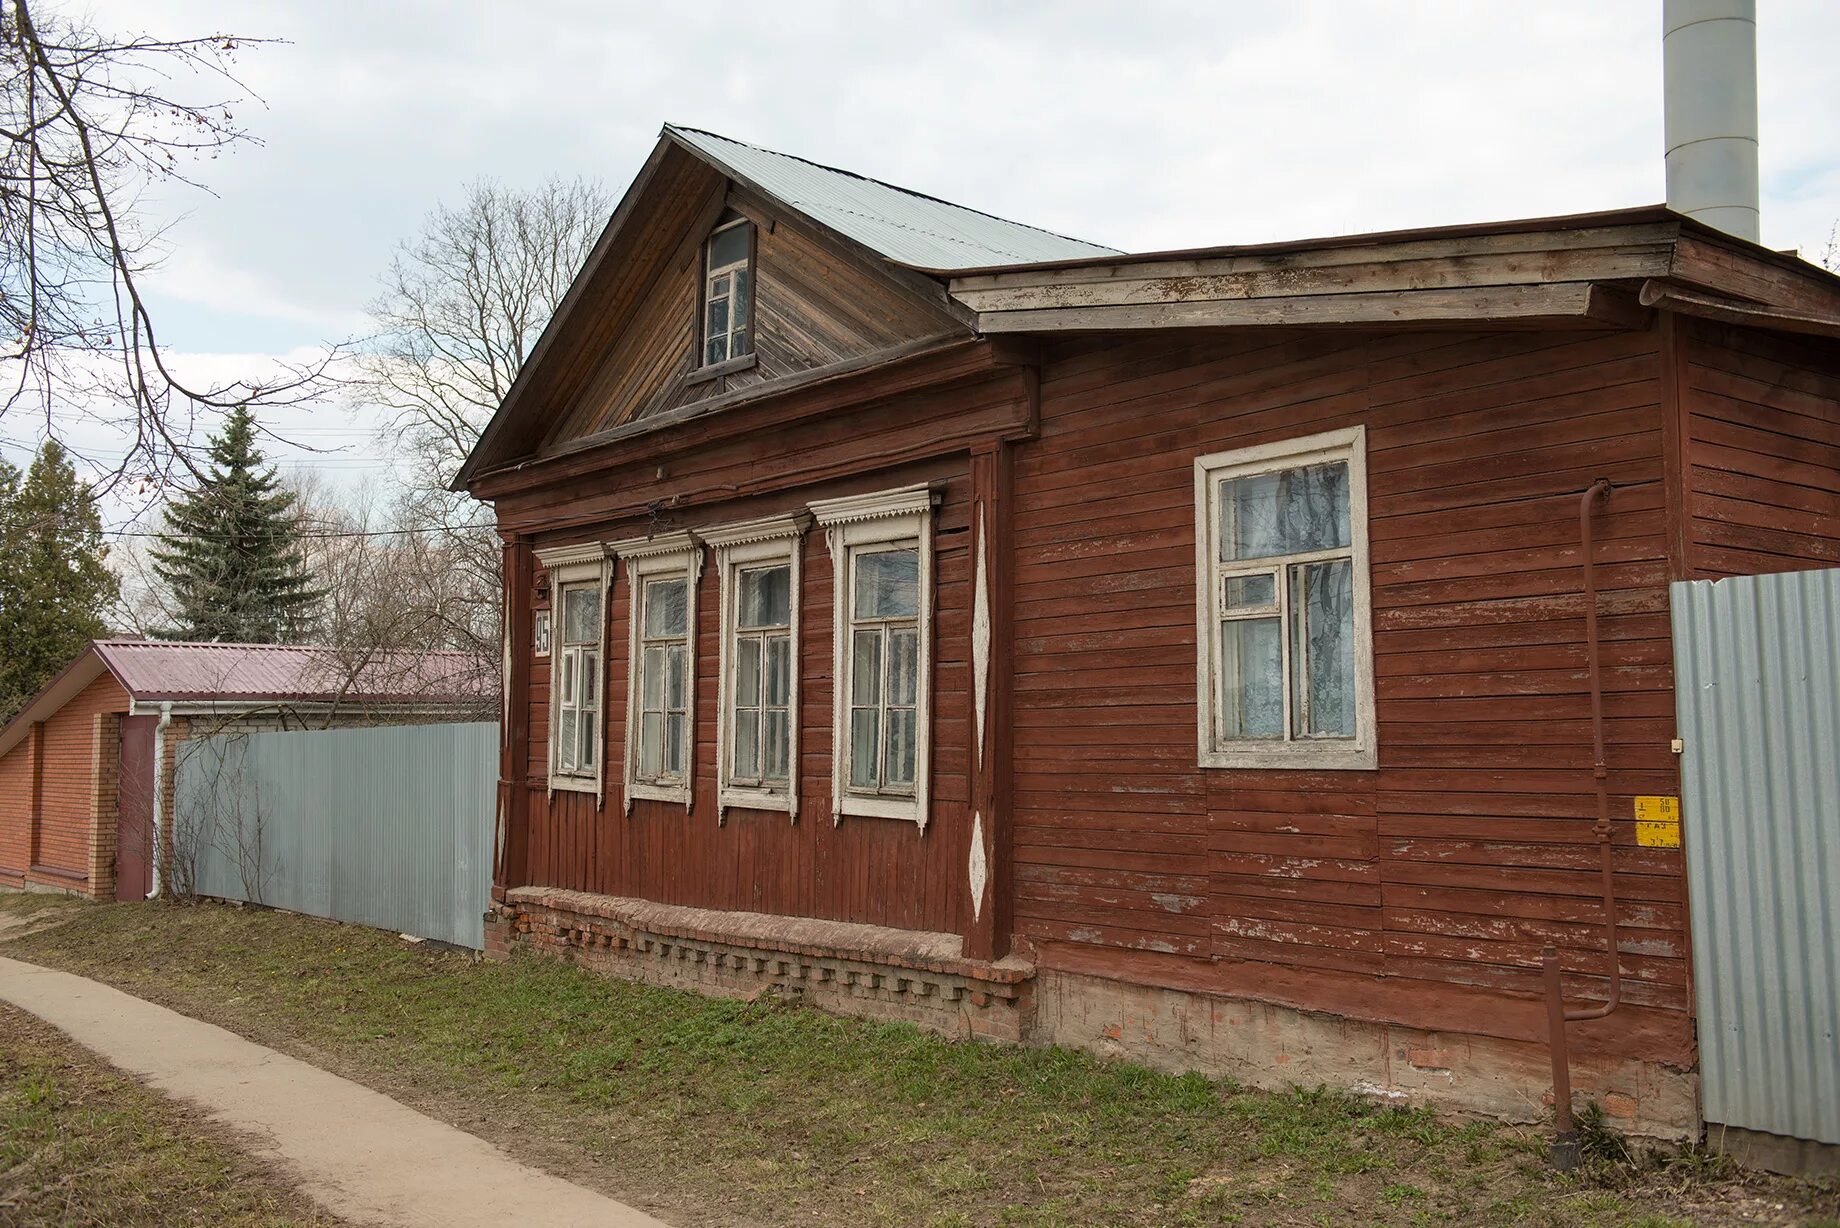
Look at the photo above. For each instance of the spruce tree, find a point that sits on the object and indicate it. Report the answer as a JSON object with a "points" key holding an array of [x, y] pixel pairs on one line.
{"points": [[231, 553], [55, 584]]}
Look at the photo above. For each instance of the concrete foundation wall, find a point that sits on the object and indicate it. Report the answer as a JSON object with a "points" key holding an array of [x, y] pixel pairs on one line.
{"points": [[1269, 1046]]}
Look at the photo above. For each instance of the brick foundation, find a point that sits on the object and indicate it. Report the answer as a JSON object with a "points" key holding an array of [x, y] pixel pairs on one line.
{"points": [[841, 967], [889, 974]]}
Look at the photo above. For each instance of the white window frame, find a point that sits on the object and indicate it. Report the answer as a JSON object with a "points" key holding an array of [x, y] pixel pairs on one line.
{"points": [[710, 274], [853, 523], [767, 542], [654, 558], [1359, 753], [570, 567]]}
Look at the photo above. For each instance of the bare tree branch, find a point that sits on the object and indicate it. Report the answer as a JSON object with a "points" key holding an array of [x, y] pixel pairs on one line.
{"points": [[89, 123]]}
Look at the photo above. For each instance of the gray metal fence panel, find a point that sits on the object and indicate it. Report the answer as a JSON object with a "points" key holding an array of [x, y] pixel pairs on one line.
{"points": [[388, 826], [1757, 669]]}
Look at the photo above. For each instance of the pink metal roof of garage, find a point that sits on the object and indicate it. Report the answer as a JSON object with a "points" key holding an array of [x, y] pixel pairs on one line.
{"points": [[160, 670], [241, 677]]}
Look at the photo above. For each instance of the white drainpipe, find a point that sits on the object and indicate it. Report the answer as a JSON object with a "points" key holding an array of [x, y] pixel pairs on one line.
{"points": [[159, 773], [1709, 70]]}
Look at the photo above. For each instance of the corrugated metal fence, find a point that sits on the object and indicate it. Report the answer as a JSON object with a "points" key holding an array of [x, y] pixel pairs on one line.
{"points": [[388, 826], [1757, 666]]}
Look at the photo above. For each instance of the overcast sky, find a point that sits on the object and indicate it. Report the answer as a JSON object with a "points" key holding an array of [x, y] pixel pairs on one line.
{"points": [[1143, 124]]}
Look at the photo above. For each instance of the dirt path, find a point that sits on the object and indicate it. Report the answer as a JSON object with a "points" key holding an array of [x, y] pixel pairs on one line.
{"points": [[358, 1153]]}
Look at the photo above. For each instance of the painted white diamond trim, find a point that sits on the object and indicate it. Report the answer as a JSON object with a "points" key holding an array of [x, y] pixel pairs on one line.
{"points": [[980, 871], [980, 639]]}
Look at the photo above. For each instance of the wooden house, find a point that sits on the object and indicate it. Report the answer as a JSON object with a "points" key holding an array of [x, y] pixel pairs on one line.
{"points": [[1185, 655]]}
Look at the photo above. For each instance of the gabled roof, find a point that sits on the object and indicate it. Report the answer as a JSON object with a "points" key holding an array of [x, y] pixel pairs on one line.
{"points": [[920, 238], [921, 232], [241, 676]]}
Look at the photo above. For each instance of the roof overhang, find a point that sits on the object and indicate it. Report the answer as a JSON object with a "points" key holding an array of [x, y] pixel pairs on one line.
{"points": [[1582, 270], [69, 683]]}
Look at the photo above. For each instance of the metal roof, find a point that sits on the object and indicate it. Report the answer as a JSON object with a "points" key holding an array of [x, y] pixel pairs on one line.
{"points": [[157, 670], [906, 227]]}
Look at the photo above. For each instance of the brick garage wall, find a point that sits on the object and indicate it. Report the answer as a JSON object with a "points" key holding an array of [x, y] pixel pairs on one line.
{"points": [[16, 811], [105, 802], [64, 847]]}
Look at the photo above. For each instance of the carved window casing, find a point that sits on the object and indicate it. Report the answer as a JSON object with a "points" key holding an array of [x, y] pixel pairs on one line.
{"points": [[660, 756], [579, 576], [881, 549], [757, 734]]}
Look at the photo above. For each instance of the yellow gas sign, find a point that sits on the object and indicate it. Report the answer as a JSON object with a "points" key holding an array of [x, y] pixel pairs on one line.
{"points": [[1658, 822]]}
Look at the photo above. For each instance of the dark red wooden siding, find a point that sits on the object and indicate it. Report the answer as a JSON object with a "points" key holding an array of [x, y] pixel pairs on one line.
{"points": [[1448, 868], [876, 871], [1763, 451]]}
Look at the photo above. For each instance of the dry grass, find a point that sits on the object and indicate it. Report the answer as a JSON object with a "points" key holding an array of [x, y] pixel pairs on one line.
{"points": [[81, 1145], [717, 1112]]}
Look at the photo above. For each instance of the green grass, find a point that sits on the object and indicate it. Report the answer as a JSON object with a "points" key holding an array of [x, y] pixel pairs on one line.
{"points": [[715, 1111], [80, 1145]]}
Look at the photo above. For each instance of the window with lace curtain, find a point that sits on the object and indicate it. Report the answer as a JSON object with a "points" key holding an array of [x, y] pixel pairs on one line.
{"points": [[1284, 624]]}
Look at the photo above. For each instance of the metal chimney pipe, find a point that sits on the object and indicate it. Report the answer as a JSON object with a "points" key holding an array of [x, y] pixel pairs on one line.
{"points": [[1709, 66]]}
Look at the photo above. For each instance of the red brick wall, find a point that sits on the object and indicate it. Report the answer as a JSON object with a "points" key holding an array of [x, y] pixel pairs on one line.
{"points": [[16, 809], [65, 851]]}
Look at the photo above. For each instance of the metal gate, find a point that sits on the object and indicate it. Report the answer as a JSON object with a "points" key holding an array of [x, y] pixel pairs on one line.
{"points": [[1757, 685]]}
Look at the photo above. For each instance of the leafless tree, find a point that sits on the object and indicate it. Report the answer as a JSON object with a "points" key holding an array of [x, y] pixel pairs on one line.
{"points": [[463, 302], [90, 124]]}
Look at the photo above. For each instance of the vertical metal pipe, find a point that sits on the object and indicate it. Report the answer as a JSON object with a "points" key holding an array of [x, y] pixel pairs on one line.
{"points": [[1709, 70], [1565, 1132]]}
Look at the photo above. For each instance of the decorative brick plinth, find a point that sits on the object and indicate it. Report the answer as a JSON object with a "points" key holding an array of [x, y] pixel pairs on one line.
{"points": [[845, 968]]}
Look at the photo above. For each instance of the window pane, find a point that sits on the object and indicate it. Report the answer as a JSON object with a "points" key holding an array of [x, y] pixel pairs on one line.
{"points": [[565, 670], [674, 745], [588, 740], [766, 597], [677, 674], [565, 740], [590, 679], [865, 747], [718, 287], [903, 665], [779, 671], [665, 607], [581, 610], [776, 741], [888, 583], [747, 673], [716, 350], [1252, 679], [741, 303], [1284, 513], [727, 246], [651, 744], [1322, 649], [717, 319], [901, 746], [1252, 592], [866, 667], [747, 745], [651, 690]]}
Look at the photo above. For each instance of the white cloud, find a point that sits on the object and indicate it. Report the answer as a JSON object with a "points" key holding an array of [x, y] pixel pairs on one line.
{"points": [[1146, 124]]}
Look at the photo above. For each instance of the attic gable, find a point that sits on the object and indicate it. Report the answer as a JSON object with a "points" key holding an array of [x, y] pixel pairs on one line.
{"points": [[849, 267]]}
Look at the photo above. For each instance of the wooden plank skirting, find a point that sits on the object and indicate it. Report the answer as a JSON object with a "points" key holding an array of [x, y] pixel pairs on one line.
{"points": [[846, 968]]}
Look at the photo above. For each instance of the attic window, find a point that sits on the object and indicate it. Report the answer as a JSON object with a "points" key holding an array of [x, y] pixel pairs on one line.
{"points": [[728, 293]]}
